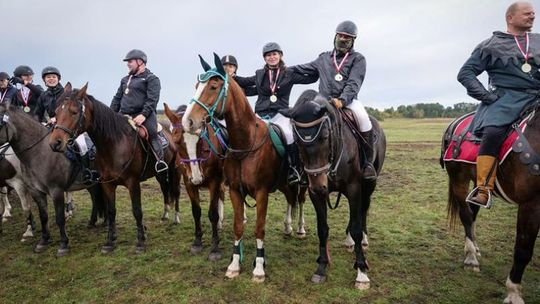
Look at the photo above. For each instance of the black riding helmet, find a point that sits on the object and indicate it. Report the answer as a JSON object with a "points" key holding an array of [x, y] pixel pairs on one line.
{"points": [[4, 76], [347, 28], [22, 70], [229, 59], [136, 54], [50, 70], [271, 47]]}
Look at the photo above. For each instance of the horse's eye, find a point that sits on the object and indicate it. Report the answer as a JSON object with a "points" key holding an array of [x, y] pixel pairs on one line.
{"points": [[213, 88]]}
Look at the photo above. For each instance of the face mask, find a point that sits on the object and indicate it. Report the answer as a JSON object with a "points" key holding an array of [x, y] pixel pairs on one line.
{"points": [[343, 46]]}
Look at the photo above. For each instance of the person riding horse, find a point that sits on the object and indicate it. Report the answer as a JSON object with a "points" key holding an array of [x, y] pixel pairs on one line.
{"points": [[7, 90], [341, 73], [138, 96], [28, 93], [273, 84], [47, 101], [511, 61], [230, 64]]}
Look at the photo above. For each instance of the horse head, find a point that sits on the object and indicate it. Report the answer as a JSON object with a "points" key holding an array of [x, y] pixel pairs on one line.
{"points": [[312, 118], [209, 99], [186, 144], [71, 118]]}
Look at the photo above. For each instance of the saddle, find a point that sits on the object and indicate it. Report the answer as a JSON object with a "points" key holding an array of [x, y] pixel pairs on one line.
{"points": [[82, 154], [277, 137], [143, 133]]}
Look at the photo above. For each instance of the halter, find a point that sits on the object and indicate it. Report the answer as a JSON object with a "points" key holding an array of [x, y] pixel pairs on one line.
{"points": [[330, 167], [203, 78], [74, 133]]}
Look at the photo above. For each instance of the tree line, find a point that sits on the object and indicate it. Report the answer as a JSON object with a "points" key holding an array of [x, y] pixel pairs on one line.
{"points": [[423, 110]]}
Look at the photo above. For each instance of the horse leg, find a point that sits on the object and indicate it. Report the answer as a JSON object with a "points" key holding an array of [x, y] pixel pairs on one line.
{"points": [[262, 206], [25, 199], [319, 202], [467, 215], [135, 195], [174, 193], [164, 186], [7, 206], [291, 208], [528, 224], [221, 205], [109, 194], [358, 208], [213, 215], [301, 199], [99, 207], [193, 193], [70, 205], [59, 207], [233, 270], [45, 240], [475, 209]]}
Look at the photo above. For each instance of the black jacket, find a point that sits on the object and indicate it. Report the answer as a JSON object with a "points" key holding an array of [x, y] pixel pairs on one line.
{"points": [[143, 95], [48, 102], [10, 95], [261, 83], [35, 92], [353, 72]]}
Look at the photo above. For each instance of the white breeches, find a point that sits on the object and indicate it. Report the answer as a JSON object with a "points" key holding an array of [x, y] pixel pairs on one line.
{"points": [[361, 115], [285, 124]]}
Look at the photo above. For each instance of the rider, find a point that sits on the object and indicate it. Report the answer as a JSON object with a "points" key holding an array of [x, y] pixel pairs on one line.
{"points": [[230, 65], [7, 90], [273, 84], [47, 102], [28, 93], [138, 96], [341, 73], [514, 83]]}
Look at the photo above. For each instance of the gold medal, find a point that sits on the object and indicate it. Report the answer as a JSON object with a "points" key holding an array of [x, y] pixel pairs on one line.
{"points": [[338, 77], [273, 98], [26, 109], [526, 67], [126, 91]]}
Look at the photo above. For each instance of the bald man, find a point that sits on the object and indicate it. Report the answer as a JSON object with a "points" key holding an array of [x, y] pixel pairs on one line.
{"points": [[511, 60]]}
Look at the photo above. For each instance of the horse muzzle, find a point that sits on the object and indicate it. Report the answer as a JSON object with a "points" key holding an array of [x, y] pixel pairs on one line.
{"points": [[58, 145]]}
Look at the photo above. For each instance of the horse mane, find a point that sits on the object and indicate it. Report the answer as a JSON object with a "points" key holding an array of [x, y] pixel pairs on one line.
{"points": [[109, 124]]}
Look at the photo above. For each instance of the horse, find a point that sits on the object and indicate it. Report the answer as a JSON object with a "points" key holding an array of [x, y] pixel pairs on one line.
{"points": [[122, 156], [43, 172], [200, 168], [332, 160], [516, 185], [252, 165]]}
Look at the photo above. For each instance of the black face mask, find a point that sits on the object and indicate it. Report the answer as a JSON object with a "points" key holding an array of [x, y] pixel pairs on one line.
{"points": [[343, 46]]}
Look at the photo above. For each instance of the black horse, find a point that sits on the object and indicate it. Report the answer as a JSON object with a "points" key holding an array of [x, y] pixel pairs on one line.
{"points": [[332, 160]]}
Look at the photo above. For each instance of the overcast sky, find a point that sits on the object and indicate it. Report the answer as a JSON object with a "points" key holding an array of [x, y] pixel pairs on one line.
{"points": [[413, 49]]}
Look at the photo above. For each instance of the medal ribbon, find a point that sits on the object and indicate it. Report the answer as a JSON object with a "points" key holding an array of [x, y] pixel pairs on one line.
{"points": [[273, 83], [25, 94], [526, 52], [338, 67], [127, 84]]}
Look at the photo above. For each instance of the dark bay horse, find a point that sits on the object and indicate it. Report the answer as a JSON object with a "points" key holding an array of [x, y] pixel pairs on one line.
{"points": [[43, 171], [519, 187], [200, 168], [252, 165], [332, 161], [122, 158]]}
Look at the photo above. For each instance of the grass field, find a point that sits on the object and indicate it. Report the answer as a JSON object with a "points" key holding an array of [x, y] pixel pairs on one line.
{"points": [[413, 255]]}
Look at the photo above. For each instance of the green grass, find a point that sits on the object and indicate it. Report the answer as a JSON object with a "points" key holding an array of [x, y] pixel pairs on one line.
{"points": [[414, 256]]}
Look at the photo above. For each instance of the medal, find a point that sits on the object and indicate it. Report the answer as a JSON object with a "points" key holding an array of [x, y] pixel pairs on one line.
{"points": [[273, 84], [26, 109], [338, 76], [526, 67], [25, 94], [126, 91]]}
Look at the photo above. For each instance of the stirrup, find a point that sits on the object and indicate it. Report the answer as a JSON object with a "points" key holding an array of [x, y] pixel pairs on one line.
{"points": [[473, 193], [374, 176], [293, 177], [161, 166]]}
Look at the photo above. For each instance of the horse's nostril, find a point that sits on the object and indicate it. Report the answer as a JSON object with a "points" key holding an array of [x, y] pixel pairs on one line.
{"points": [[190, 121]]}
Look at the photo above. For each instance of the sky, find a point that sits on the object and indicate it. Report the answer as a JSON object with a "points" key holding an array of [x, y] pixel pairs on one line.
{"points": [[413, 49]]}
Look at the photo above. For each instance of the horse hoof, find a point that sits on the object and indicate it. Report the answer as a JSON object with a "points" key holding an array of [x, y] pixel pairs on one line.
{"points": [[62, 252], [350, 248], [513, 299], [214, 256], [4, 219], [318, 279], [473, 268], [195, 250], [105, 249], [232, 274], [362, 285], [258, 278], [300, 235], [41, 248], [140, 249]]}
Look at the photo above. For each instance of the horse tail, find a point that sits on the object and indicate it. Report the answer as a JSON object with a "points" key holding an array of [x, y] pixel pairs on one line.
{"points": [[453, 206], [98, 200]]}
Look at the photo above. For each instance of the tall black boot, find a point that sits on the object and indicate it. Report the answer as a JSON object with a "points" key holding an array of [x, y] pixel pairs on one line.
{"points": [[368, 147], [161, 165], [293, 155]]}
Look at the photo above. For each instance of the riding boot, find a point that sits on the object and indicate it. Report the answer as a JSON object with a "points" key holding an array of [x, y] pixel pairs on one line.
{"points": [[368, 147], [158, 151], [486, 173], [293, 155]]}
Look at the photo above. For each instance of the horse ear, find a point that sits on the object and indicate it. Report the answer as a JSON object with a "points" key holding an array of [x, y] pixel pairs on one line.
{"points": [[170, 114], [68, 87], [204, 64], [219, 65], [82, 91]]}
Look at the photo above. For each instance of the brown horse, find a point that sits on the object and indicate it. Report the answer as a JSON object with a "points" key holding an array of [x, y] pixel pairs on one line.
{"points": [[122, 158], [200, 168], [252, 166], [517, 186]]}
